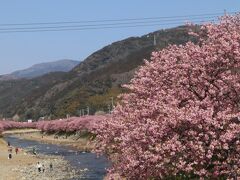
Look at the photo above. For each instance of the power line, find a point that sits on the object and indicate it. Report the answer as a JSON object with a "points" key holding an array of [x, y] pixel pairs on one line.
{"points": [[117, 23], [108, 24], [115, 20], [94, 28]]}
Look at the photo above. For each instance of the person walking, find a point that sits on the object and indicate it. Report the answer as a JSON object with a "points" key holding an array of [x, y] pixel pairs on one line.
{"points": [[10, 149], [39, 167], [51, 166], [34, 151], [16, 150], [10, 153], [43, 168]]}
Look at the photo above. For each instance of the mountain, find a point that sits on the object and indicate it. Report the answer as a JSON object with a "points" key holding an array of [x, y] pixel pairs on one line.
{"points": [[7, 77], [92, 83], [41, 69]]}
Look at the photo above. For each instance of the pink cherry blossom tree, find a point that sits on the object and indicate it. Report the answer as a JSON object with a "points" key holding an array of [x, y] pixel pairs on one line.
{"points": [[181, 115], [73, 124], [7, 125]]}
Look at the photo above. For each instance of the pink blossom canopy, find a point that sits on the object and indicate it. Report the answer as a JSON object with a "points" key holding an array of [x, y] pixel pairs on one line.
{"points": [[181, 115]]}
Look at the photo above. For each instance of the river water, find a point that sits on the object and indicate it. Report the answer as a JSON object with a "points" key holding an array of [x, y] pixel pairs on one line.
{"points": [[96, 166]]}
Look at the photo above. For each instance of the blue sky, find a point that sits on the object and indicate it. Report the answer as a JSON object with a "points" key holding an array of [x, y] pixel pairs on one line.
{"points": [[21, 50]]}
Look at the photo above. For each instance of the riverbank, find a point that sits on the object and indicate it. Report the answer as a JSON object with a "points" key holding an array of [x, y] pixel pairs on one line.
{"points": [[7, 166], [80, 143], [23, 166], [20, 131], [61, 170]]}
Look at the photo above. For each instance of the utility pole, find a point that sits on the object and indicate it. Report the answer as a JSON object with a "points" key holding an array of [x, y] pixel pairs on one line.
{"points": [[87, 110], [68, 116], [154, 40], [109, 108]]}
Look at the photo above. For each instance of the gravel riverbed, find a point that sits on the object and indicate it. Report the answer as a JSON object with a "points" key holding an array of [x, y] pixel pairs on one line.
{"points": [[61, 170]]}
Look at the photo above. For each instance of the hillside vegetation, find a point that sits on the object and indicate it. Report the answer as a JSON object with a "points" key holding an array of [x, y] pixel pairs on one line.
{"points": [[91, 83]]}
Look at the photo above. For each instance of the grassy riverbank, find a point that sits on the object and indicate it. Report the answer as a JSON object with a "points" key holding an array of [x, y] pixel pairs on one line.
{"points": [[20, 131], [79, 142]]}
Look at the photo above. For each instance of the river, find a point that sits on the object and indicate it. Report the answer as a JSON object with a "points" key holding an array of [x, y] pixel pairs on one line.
{"points": [[96, 166]]}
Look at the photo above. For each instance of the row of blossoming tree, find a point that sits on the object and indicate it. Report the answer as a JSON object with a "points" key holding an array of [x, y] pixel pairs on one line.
{"points": [[72, 124], [7, 125], [181, 115]]}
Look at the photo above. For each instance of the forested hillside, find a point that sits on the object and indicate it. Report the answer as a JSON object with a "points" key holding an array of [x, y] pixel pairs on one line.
{"points": [[92, 83]]}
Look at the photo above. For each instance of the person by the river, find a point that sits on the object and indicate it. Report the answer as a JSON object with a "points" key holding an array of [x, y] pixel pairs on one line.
{"points": [[9, 156], [43, 168], [10, 152], [51, 166], [39, 167], [34, 151], [16, 150], [8, 143], [10, 149]]}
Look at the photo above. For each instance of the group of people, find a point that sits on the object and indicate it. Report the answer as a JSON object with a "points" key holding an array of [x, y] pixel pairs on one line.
{"points": [[10, 150], [41, 167]]}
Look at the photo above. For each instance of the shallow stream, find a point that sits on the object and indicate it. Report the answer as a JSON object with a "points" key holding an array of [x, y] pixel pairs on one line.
{"points": [[95, 166]]}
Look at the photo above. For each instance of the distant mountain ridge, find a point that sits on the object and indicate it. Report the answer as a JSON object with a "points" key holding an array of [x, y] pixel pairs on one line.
{"points": [[92, 83], [40, 69]]}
